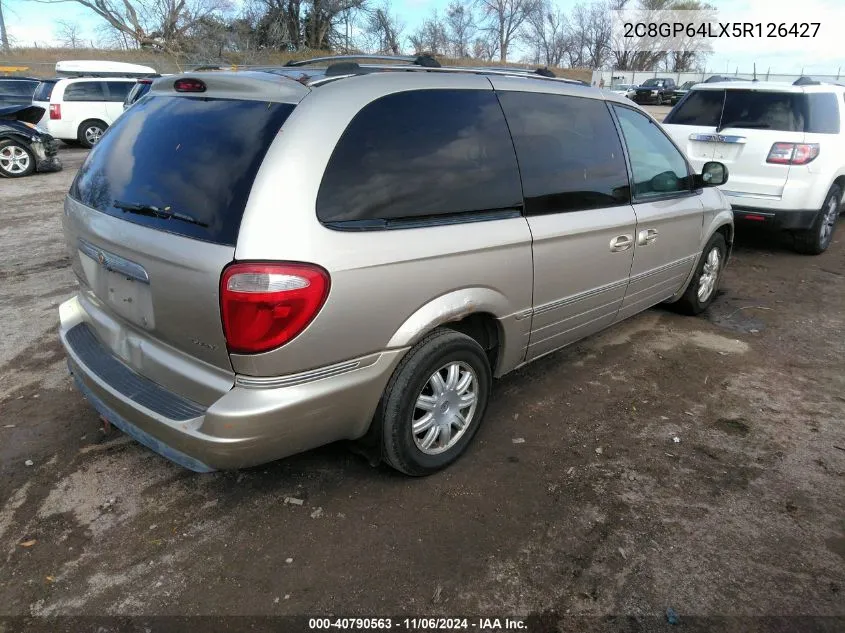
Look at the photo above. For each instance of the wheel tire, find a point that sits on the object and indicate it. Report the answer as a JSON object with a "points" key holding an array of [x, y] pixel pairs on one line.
{"points": [[86, 135], [398, 405], [692, 302], [16, 159], [815, 240], [660, 100]]}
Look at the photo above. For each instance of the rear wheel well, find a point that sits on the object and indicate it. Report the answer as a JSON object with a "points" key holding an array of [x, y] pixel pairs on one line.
{"points": [[841, 182], [484, 328]]}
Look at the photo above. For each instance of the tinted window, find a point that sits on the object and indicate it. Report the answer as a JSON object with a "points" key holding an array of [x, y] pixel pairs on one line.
{"points": [[420, 154], [118, 90], [701, 107], [85, 91], [188, 155], [44, 91], [17, 88], [136, 92], [570, 156], [822, 113], [658, 167], [655, 83], [763, 110]]}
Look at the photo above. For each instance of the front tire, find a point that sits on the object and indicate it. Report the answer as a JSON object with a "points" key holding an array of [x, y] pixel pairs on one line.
{"points": [[90, 132], [434, 403], [16, 159], [660, 100], [815, 240], [704, 284]]}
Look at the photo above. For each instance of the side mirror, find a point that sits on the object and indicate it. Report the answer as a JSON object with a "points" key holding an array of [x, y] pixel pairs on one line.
{"points": [[712, 174]]}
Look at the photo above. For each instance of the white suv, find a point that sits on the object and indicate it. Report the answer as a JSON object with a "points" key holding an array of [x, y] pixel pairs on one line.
{"points": [[783, 144], [79, 110]]}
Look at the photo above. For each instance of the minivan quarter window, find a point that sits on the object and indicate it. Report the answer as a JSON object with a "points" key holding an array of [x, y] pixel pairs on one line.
{"points": [[117, 90], [421, 155], [85, 91], [658, 168], [569, 152]]}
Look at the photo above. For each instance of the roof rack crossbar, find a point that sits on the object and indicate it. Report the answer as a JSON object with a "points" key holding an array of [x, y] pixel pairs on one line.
{"points": [[346, 58]]}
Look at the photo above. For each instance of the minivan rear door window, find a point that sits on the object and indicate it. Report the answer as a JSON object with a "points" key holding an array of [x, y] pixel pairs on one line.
{"points": [[422, 156], [181, 157]]}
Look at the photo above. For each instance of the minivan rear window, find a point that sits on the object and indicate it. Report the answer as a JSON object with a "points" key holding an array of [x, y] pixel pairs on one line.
{"points": [[44, 91], [188, 156], [814, 112]]}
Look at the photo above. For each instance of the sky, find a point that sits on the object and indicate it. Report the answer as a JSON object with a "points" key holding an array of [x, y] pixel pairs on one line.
{"points": [[31, 22]]}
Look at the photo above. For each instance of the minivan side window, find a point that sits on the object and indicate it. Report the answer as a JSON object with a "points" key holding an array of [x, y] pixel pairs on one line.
{"points": [[659, 169], [569, 152], [118, 90], [421, 155], [85, 91]]}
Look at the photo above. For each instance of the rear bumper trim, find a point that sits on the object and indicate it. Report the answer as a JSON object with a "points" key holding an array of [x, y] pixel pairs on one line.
{"points": [[136, 433], [788, 220], [90, 352]]}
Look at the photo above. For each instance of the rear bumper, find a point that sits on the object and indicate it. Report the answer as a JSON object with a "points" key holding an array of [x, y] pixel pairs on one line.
{"points": [[257, 421], [784, 219]]}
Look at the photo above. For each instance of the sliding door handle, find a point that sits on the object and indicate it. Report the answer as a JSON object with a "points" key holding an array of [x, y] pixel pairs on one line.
{"points": [[644, 238], [621, 243]]}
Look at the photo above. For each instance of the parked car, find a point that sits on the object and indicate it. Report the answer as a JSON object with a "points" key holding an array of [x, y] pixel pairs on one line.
{"points": [[15, 91], [80, 109], [680, 92], [784, 146], [141, 87], [289, 281], [655, 91], [624, 90], [24, 149]]}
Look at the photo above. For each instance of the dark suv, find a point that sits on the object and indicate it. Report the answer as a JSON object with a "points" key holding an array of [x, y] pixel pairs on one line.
{"points": [[657, 90]]}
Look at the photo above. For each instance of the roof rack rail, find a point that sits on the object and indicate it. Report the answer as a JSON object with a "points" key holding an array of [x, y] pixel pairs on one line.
{"points": [[806, 81], [419, 60], [346, 69]]}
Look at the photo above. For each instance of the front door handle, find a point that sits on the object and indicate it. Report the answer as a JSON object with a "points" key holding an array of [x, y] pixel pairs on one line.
{"points": [[644, 238], [621, 243]]}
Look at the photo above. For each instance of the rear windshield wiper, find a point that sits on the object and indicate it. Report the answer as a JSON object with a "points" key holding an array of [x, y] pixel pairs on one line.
{"points": [[156, 212]]}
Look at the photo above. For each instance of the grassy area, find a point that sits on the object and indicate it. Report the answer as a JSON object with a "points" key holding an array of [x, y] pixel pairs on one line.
{"points": [[41, 62]]}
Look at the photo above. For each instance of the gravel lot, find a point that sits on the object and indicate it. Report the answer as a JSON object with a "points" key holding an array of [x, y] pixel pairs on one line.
{"points": [[599, 511]]}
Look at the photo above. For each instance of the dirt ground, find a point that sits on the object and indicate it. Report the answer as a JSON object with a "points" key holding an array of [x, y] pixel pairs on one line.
{"points": [[691, 463]]}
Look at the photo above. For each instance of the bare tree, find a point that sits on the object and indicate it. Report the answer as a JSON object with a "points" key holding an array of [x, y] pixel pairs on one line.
{"points": [[160, 24], [383, 30], [460, 28], [484, 48], [592, 35], [430, 37], [4, 37], [548, 33], [68, 34], [504, 19]]}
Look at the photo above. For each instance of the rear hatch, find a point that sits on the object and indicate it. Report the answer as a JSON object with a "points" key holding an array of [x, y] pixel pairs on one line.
{"points": [[739, 127], [153, 215]]}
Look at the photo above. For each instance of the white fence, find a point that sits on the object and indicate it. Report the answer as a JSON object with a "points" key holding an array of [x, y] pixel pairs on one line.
{"points": [[636, 77]]}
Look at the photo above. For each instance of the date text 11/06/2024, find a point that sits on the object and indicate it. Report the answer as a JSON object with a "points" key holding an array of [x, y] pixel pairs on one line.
{"points": [[485, 625]]}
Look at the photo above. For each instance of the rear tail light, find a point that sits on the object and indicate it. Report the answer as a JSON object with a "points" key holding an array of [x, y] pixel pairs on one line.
{"points": [[266, 305], [792, 153], [55, 111]]}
